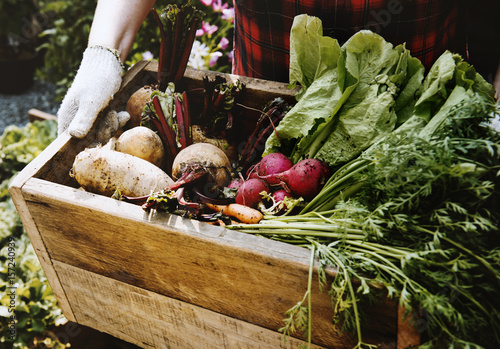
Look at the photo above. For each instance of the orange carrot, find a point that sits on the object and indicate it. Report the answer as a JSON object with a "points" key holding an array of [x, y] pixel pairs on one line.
{"points": [[243, 213]]}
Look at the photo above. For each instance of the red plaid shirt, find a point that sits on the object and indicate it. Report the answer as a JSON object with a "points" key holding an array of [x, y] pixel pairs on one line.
{"points": [[262, 29]]}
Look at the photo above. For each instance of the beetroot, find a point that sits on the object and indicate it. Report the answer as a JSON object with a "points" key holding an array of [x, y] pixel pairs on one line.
{"points": [[304, 179], [249, 192]]}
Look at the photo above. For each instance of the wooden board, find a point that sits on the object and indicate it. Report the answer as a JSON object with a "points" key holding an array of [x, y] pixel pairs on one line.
{"points": [[215, 268], [150, 320], [98, 253]]}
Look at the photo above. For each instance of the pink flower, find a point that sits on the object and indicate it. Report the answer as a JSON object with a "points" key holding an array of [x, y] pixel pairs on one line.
{"points": [[230, 56], [200, 32], [207, 2], [209, 29], [223, 43], [214, 57], [228, 14], [217, 5]]}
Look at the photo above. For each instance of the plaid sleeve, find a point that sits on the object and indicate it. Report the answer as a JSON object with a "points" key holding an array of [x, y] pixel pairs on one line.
{"points": [[262, 28]]}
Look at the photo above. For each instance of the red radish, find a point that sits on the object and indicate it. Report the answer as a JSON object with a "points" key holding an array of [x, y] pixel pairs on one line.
{"points": [[304, 179], [278, 196], [273, 163], [253, 171], [281, 194], [235, 183], [249, 192]]}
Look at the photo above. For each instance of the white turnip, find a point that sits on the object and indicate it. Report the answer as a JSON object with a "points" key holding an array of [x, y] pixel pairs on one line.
{"points": [[103, 171], [135, 105], [142, 142], [206, 158]]}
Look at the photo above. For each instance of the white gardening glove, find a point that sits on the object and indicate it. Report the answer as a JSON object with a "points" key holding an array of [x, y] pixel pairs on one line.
{"points": [[97, 80]]}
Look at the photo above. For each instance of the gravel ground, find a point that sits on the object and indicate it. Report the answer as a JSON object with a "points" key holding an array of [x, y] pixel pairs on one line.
{"points": [[14, 108]]}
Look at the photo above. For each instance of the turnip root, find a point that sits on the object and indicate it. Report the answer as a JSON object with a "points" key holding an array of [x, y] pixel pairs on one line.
{"points": [[206, 157], [142, 142], [199, 136], [103, 171], [135, 105], [305, 179], [249, 192]]}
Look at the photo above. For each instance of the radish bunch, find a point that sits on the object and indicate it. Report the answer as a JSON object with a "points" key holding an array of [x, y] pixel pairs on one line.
{"points": [[278, 176]]}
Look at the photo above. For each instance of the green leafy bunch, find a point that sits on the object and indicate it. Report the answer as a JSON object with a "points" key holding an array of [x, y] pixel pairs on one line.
{"points": [[440, 199]]}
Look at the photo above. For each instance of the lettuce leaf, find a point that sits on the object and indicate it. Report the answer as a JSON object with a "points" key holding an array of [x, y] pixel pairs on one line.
{"points": [[348, 94]]}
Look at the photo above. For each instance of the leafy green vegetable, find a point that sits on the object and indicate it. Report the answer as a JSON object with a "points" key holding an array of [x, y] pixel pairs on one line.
{"points": [[416, 212], [350, 96]]}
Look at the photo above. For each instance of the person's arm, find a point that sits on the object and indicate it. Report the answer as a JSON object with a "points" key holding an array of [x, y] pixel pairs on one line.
{"points": [[114, 27], [116, 23]]}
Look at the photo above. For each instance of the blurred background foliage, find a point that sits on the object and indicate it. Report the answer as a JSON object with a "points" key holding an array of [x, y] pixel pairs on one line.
{"points": [[65, 38]]}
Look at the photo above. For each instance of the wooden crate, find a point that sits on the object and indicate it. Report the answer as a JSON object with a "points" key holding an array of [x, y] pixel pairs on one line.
{"points": [[162, 281]]}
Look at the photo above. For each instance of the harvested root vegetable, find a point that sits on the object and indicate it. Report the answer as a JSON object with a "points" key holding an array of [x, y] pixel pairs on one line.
{"points": [[274, 163], [142, 142], [242, 213], [249, 192], [200, 136], [103, 171], [135, 105], [279, 196], [205, 158], [305, 179]]}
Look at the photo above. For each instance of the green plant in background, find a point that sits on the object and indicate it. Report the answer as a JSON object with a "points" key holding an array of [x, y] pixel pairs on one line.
{"points": [[65, 39], [26, 294]]}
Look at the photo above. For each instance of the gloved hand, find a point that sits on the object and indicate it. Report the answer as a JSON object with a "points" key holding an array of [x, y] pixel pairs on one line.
{"points": [[97, 80]]}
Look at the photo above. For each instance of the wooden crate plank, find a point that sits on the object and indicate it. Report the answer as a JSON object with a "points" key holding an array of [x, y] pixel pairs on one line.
{"points": [[16, 193], [151, 320], [41, 251], [39, 115], [239, 275]]}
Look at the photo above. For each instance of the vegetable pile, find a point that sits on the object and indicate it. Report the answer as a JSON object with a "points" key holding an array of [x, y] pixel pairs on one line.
{"points": [[385, 173], [412, 204]]}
